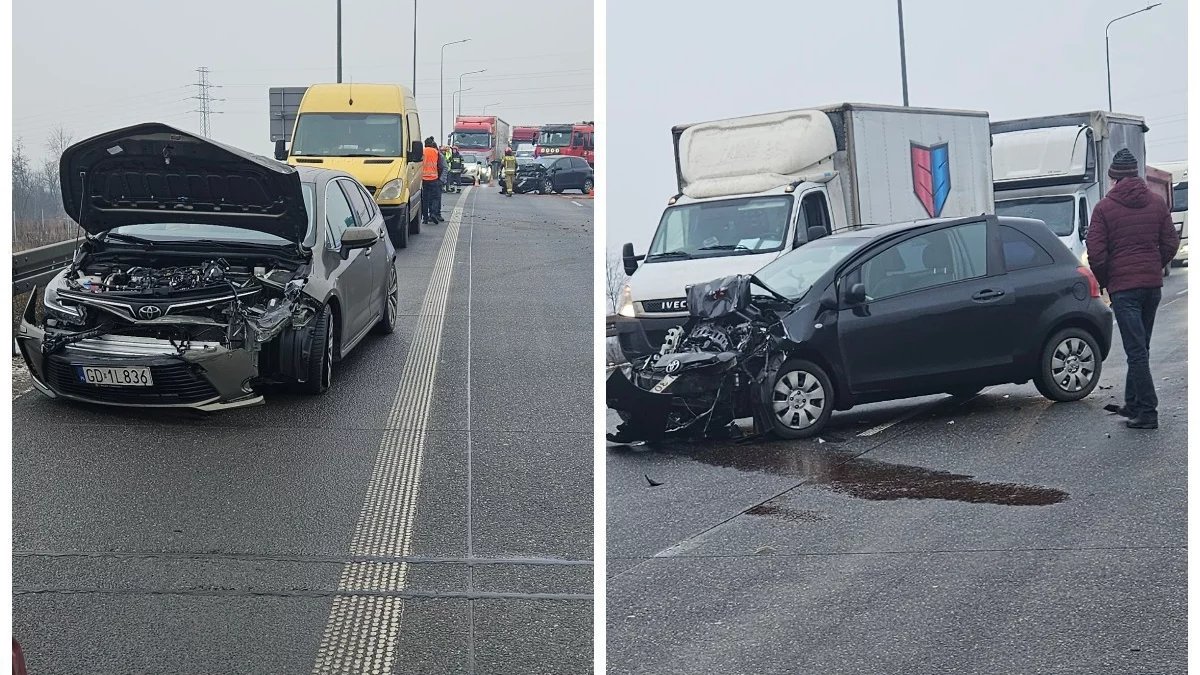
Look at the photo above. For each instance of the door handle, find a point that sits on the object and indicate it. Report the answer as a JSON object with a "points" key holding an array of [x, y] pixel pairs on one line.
{"points": [[984, 296]]}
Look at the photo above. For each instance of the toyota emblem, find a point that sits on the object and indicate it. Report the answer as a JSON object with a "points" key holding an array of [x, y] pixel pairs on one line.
{"points": [[672, 365], [149, 312]]}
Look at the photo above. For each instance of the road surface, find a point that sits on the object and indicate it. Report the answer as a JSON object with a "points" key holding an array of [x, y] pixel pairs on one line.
{"points": [[1006, 534], [431, 514]]}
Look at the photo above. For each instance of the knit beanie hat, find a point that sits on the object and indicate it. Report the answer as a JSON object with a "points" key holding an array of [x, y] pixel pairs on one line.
{"points": [[1124, 165]]}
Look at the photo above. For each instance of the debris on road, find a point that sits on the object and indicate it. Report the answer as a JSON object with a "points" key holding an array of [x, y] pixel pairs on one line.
{"points": [[651, 481]]}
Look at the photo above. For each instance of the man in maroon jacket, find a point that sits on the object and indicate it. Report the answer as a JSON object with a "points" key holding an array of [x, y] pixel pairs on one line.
{"points": [[1130, 240]]}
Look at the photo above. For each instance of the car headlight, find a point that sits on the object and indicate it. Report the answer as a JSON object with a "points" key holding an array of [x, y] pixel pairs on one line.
{"points": [[626, 308], [57, 310], [392, 189]]}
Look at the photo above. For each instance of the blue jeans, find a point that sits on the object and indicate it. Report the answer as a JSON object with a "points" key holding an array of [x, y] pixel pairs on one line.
{"points": [[1134, 310]]}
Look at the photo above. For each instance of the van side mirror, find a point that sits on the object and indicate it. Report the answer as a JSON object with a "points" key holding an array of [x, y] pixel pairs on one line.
{"points": [[856, 294], [815, 232], [629, 259], [281, 150], [416, 153]]}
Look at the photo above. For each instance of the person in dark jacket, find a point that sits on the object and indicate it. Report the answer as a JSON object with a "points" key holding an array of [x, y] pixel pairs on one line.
{"points": [[1129, 241]]}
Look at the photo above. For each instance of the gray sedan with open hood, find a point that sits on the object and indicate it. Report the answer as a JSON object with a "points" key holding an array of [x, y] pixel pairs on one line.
{"points": [[206, 271]]}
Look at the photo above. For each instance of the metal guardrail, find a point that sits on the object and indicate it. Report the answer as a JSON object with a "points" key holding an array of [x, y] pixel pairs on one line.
{"points": [[37, 266]]}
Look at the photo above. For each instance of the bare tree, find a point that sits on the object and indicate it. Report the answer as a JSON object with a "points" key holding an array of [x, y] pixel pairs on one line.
{"points": [[56, 144], [614, 282]]}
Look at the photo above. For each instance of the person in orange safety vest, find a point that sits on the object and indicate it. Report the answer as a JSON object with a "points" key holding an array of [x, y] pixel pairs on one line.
{"points": [[432, 170]]}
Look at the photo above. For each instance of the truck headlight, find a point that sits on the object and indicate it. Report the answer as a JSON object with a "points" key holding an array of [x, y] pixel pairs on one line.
{"points": [[626, 308], [57, 310], [392, 189]]}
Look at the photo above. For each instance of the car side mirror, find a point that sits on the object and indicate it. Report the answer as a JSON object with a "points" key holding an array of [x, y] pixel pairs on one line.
{"points": [[416, 152], [629, 259], [281, 152], [856, 294], [357, 237]]}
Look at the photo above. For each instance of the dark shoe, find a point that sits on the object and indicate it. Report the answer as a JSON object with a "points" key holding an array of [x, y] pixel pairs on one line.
{"points": [[1118, 410], [1143, 423]]}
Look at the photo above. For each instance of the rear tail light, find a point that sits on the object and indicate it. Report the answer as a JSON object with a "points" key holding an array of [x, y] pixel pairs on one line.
{"points": [[1093, 285]]}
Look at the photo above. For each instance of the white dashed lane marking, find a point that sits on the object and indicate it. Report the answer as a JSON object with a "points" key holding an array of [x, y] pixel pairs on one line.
{"points": [[360, 634]]}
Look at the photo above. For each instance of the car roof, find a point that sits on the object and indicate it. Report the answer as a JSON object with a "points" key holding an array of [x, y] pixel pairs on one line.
{"points": [[881, 231], [313, 174]]}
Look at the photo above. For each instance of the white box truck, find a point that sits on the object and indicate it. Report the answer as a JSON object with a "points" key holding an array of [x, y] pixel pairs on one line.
{"points": [[1055, 168], [753, 188], [1179, 187]]}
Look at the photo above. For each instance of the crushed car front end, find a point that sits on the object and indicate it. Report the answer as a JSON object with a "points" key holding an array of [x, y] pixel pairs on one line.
{"points": [[196, 336]]}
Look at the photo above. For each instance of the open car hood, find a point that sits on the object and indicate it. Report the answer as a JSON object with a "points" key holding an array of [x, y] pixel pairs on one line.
{"points": [[153, 173]]}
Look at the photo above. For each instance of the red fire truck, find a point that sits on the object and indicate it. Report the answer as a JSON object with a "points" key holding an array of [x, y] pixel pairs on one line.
{"points": [[484, 137], [568, 139]]}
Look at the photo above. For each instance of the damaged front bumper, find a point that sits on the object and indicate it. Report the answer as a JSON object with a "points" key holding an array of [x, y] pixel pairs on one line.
{"points": [[204, 376], [643, 413]]}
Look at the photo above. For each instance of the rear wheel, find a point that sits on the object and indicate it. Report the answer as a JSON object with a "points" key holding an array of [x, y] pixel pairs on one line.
{"points": [[320, 359], [587, 187], [1069, 368], [391, 303], [800, 400]]}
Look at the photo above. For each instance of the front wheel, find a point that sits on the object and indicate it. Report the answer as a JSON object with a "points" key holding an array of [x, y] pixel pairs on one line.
{"points": [[1069, 368], [800, 401], [414, 224], [587, 187], [320, 358], [398, 230], [546, 187]]}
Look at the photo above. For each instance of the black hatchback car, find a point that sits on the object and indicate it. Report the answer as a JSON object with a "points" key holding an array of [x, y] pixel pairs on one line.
{"points": [[555, 174], [881, 313]]}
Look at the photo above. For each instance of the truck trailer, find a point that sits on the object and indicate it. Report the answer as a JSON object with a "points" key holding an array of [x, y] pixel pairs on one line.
{"points": [[753, 188], [485, 138]]}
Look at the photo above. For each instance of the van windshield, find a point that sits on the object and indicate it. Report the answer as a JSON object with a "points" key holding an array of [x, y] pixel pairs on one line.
{"points": [[1057, 212], [720, 228], [348, 135], [472, 139]]}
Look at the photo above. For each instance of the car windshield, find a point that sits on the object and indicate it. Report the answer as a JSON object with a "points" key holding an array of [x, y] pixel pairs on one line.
{"points": [[793, 274], [472, 139], [1057, 212], [555, 139], [719, 228], [1180, 197], [348, 135]]}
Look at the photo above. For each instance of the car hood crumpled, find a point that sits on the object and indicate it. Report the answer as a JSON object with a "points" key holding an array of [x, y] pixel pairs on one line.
{"points": [[154, 173]]}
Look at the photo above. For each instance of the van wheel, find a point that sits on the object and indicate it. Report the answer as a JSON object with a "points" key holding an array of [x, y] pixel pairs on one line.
{"points": [[1167, 271], [414, 223], [800, 399], [397, 231], [1069, 368], [320, 359]]}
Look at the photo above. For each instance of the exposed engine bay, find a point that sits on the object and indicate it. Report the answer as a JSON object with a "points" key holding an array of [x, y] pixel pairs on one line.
{"points": [[708, 372], [191, 304]]}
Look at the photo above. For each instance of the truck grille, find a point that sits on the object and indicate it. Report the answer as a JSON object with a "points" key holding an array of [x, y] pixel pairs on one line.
{"points": [[173, 385], [669, 305]]}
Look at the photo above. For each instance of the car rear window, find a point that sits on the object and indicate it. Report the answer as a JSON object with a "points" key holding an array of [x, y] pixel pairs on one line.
{"points": [[1021, 252]]}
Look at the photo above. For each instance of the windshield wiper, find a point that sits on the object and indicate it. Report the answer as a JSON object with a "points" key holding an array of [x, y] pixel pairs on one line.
{"points": [[725, 247], [129, 238], [672, 254]]}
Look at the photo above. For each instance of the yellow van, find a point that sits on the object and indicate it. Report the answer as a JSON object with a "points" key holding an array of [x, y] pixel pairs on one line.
{"points": [[372, 132]]}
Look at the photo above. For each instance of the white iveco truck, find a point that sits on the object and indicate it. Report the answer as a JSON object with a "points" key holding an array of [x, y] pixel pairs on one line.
{"points": [[753, 188]]}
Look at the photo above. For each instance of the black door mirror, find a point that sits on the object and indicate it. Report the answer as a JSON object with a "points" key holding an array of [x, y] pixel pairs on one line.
{"points": [[815, 232], [417, 152], [281, 150], [357, 237], [856, 294], [629, 259]]}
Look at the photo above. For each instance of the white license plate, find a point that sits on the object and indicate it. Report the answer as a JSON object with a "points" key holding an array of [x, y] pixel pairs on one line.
{"points": [[115, 377]]}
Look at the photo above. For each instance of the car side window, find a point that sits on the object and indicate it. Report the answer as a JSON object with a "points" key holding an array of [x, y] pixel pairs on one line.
{"points": [[933, 259], [578, 163], [1021, 252], [372, 208], [357, 204], [338, 214]]}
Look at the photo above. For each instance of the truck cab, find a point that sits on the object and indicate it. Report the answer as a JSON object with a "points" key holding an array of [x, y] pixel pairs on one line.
{"points": [[577, 140], [372, 132]]}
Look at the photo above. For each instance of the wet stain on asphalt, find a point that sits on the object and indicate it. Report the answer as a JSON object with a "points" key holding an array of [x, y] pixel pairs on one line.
{"points": [[774, 508], [868, 478]]}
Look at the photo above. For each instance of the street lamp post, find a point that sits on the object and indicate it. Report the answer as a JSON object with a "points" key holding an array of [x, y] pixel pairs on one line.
{"points": [[458, 93], [414, 87], [442, 89], [488, 106], [903, 62], [1107, 60], [339, 40], [460, 89]]}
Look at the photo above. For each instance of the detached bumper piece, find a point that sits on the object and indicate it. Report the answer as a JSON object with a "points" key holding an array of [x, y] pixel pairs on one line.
{"points": [[644, 413]]}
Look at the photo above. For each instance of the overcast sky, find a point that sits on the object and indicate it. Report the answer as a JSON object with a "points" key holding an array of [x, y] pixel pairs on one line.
{"points": [[94, 66], [1016, 58]]}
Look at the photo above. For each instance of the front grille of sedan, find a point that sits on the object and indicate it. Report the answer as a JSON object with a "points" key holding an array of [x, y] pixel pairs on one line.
{"points": [[173, 385]]}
